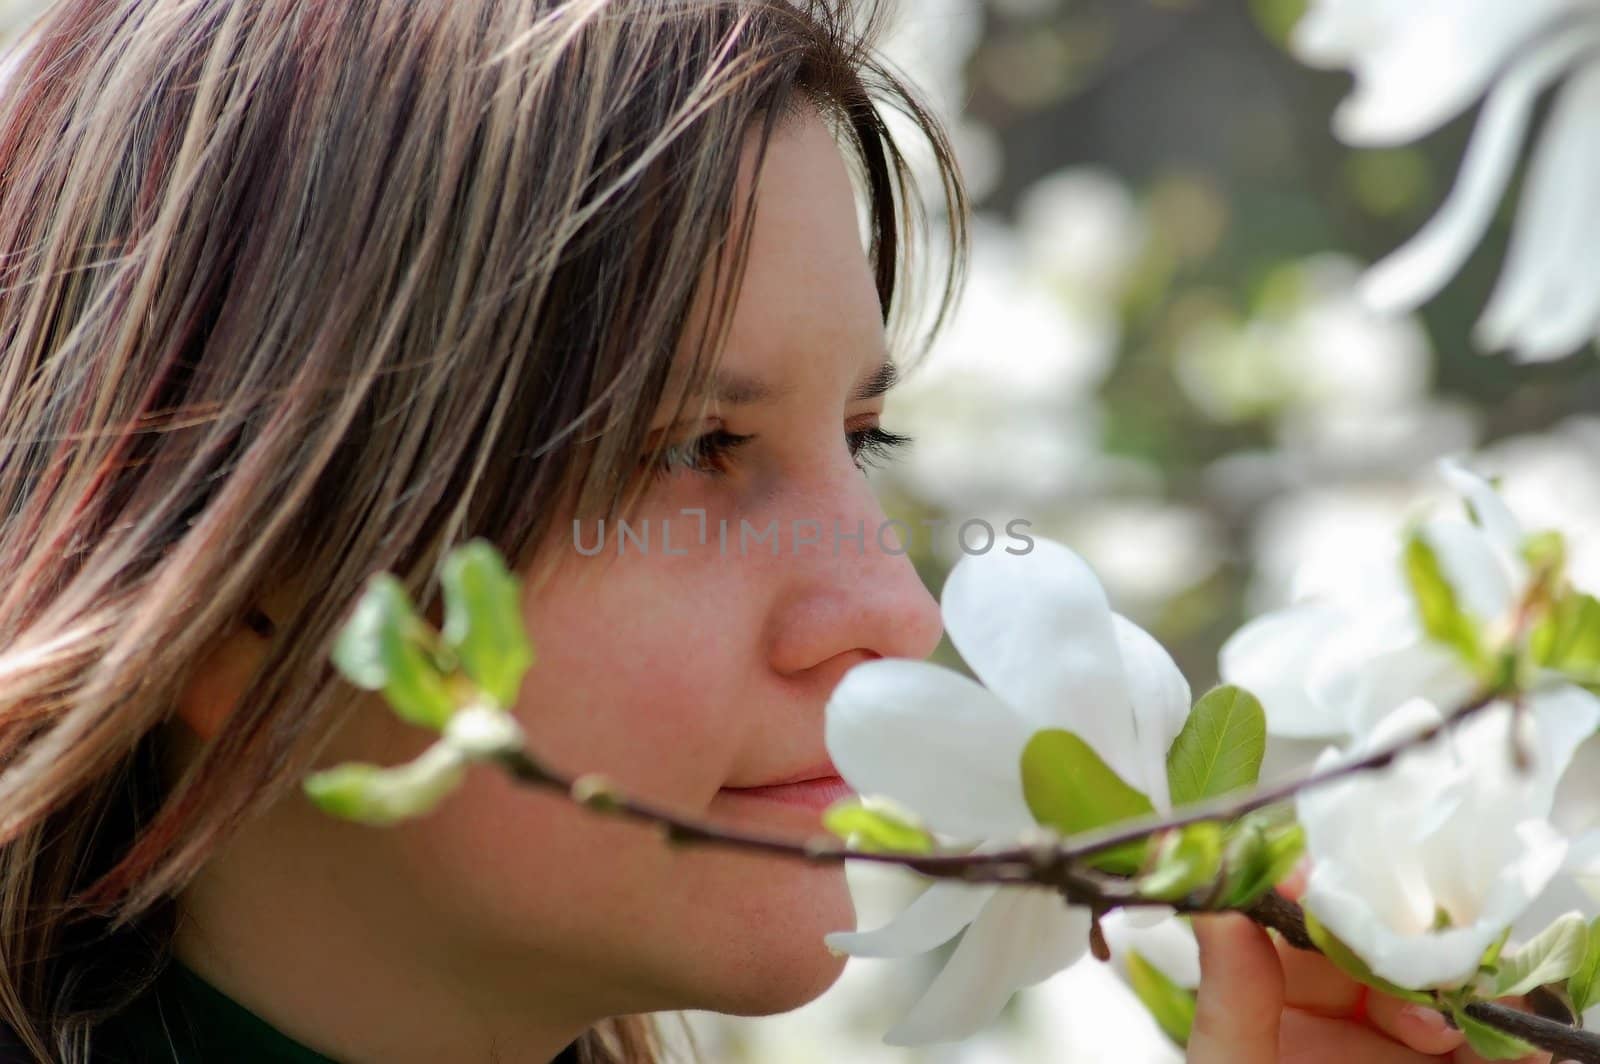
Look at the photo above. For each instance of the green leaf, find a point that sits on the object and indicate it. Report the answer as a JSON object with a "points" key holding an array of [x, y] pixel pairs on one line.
{"points": [[869, 824], [1546, 550], [1068, 787], [1584, 986], [1549, 957], [372, 794], [1344, 958], [1490, 961], [483, 620], [1170, 1004], [1489, 1042], [1443, 618], [381, 648], [1220, 747], [1187, 859], [1568, 638], [1258, 854]]}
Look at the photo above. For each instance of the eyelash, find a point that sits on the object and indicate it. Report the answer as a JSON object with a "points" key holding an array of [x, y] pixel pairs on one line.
{"points": [[712, 453]]}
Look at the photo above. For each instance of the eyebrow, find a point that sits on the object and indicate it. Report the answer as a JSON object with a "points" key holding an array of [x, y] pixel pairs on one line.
{"points": [[740, 389]]}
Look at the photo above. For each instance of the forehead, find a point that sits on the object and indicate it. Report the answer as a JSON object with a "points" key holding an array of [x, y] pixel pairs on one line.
{"points": [[808, 306]]}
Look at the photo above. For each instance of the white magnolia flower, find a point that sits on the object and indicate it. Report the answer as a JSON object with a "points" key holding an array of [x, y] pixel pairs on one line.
{"points": [[1039, 632], [1419, 867], [1339, 659], [1419, 63]]}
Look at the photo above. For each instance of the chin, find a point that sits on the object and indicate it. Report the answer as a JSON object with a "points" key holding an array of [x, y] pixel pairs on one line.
{"points": [[782, 989], [770, 956]]}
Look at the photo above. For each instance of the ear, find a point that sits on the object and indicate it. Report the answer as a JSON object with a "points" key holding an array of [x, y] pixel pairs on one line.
{"points": [[222, 673]]}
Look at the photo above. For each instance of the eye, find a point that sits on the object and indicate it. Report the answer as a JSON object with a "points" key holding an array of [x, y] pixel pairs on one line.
{"points": [[708, 454], [874, 446]]}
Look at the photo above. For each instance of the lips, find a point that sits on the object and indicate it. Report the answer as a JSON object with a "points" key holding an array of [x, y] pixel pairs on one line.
{"points": [[816, 794]]}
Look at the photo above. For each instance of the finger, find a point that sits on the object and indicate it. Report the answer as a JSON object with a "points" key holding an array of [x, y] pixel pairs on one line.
{"points": [[1307, 1038], [1314, 983], [1240, 1001], [1417, 1026]]}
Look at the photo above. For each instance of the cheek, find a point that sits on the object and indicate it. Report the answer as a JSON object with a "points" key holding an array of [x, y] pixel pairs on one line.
{"points": [[657, 689], [514, 877], [650, 689]]}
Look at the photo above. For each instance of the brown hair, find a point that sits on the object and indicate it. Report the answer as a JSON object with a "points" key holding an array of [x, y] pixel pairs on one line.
{"points": [[335, 286]]}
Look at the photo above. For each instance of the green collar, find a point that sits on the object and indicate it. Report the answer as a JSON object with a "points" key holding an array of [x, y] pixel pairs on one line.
{"points": [[183, 1019]]}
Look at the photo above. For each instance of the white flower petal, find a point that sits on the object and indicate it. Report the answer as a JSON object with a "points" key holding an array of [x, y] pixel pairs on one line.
{"points": [[1268, 657], [935, 742], [930, 921], [1439, 958], [1410, 955], [1469, 851], [1566, 718], [1160, 697], [1470, 848], [1551, 249], [1535, 860], [1568, 304], [1379, 659], [1020, 937], [1037, 630], [1473, 568], [1422, 64], [1576, 810], [1416, 271], [1582, 865], [1498, 522], [1143, 916], [1334, 32], [1341, 821]]}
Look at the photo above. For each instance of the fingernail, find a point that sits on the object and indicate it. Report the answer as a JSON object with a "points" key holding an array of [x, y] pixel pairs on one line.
{"points": [[1425, 1019]]}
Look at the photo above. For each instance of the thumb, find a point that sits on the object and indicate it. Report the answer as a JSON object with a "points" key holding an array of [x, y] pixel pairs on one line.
{"points": [[1241, 993]]}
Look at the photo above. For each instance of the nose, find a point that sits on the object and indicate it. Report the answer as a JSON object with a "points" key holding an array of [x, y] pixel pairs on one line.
{"points": [[854, 594]]}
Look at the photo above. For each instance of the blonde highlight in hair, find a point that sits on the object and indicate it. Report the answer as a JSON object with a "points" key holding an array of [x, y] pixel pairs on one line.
{"points": [[329, 288]]}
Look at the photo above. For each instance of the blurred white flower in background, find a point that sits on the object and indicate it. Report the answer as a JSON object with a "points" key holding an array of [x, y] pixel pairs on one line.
{"points": [[1145, 550], [1552, 480], [1348, 389], [1325, 537], [1001, 406], [1083, 233], [1343, 656], [1418, 64]]}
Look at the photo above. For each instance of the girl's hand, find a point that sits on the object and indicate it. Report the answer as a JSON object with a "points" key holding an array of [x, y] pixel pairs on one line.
{"points": [[1261, 1001]]}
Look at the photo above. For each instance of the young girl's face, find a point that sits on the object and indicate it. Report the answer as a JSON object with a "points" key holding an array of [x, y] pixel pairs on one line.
{"points": [[686, 672]]}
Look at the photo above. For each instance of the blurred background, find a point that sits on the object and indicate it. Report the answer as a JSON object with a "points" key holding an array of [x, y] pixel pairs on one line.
{"points": [[1158, 360]]}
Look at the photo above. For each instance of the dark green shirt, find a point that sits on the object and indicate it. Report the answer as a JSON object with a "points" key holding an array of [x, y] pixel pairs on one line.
{"points": [[183, 1019]]}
